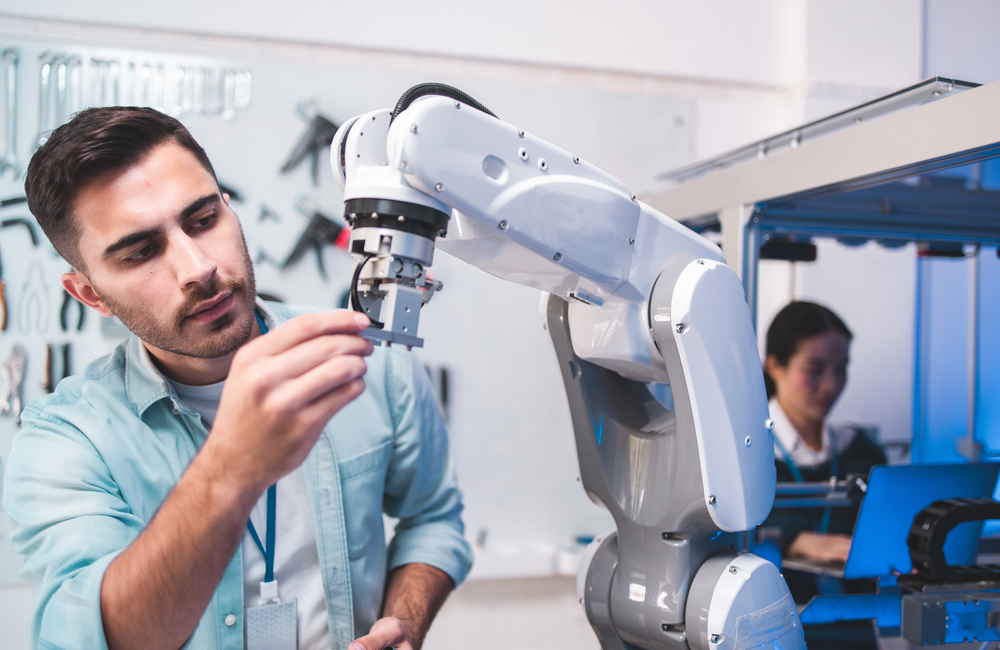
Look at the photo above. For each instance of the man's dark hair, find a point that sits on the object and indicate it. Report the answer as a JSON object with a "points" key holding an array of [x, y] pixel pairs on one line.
{"points": [[94, 142], [798, 320]]}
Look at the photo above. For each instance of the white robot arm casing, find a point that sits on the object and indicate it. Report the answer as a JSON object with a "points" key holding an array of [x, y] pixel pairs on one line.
{"points": [[643, 299]]}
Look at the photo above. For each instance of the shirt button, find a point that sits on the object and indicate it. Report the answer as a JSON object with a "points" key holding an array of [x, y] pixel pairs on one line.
{"points": [[176, 410], [230, 620]]}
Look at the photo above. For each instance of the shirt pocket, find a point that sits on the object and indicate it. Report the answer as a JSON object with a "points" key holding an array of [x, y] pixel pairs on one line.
{"points": [[362, 480]]}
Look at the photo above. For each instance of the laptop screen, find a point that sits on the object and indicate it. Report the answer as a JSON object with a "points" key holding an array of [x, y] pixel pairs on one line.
{"points": [[894, 497]]}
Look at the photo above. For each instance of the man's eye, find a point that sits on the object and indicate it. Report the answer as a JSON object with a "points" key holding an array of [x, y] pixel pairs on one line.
{"points": [[141, 255], [204, 222]]}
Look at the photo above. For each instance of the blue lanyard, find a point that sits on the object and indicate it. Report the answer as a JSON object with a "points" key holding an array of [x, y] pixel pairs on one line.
{"points": [[797, 473], [272, 496]]}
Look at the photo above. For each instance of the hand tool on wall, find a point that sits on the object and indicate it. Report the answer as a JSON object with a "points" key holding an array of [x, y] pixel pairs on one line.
{"points": [[9, 159], [44, 77], [12, 372], [65, 353], [48, 383], [74, 83], [60, 71], [318, 135], [34, 301], [3, 301], [27, 223], [244, 80], [68, 303], [321, 230], [14, 200]]}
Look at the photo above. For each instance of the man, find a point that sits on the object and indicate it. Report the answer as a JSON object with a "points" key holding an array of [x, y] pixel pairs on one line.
{"points": [[131, 486]]}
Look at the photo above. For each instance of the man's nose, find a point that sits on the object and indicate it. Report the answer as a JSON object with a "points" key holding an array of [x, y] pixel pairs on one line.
{"points": [[193, 265]]}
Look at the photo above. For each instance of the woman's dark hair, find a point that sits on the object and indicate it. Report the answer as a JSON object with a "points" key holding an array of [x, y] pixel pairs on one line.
{"points": [[796, 321]]}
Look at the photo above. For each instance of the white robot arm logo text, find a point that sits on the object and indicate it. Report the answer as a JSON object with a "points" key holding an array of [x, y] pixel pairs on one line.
{"points": [[634, 298]]}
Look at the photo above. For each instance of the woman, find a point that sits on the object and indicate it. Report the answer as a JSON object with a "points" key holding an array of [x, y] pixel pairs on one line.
{"points": [[805, 369]]}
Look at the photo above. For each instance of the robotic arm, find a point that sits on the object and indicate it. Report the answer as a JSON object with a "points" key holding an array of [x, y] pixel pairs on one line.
{"points": [[634, 298]]}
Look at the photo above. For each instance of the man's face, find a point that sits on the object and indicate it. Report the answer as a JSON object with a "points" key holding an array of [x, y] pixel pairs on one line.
{"points": [[166, 255]]}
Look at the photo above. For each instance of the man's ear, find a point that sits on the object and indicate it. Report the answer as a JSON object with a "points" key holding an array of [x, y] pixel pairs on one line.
{"points": [[80, 288], [225, 197]]}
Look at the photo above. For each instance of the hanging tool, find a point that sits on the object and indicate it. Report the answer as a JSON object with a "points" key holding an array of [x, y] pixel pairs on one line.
{"points": [[9, 159], [12, 372], [44, 77], [3, 302], [74, 83], [27, 223], [318, 135], [321, 230], [14, 200], [47, 383], [269, 214], [234, 194], [34, 300], [67, 304], [66, 370], [61, 69]]}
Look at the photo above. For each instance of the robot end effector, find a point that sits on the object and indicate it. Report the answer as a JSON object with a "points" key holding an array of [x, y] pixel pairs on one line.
{"points": [[394, 228]]}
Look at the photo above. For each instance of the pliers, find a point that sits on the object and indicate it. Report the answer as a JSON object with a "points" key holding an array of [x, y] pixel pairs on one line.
{"points": [[67, 304]]}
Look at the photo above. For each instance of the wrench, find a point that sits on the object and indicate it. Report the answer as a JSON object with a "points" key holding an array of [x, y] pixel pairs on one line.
{"points": [[44, 72], [13, 383], [61, 69], [75, 84], [9, 160]]}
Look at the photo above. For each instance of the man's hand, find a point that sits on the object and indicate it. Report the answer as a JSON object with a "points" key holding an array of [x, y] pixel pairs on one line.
{"points": [[413, 596], [386, 633], [281, 390], [820, 546]]}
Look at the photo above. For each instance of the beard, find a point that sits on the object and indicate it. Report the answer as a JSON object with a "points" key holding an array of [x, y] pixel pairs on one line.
{"points": [[227, 333]]}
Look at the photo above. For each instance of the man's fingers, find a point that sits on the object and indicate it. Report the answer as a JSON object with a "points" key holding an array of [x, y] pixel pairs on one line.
{"points": [[312, 353], [311, 386], [386, 633], [310, 326]]}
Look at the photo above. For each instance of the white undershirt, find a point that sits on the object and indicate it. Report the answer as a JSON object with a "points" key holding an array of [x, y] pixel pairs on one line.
{"points": [[296, 559], [802, 454]]}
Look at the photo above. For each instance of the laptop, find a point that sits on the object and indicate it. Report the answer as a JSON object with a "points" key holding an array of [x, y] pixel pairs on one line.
{"points": [[894, 496]]}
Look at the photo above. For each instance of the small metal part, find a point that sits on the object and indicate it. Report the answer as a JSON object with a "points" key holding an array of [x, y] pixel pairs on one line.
{"points": [[544, 166], [702, 262], [769, 425], [716, 638], [458, 105], [523, 153], [732, 569], [557, 256], [413, 128], [439, 187], [520, 134], [680, 327], [576, 160], [502, 225], [400, 218], [631, 240], [633, 198], [403, 165], [748, 441], [712, 500]]}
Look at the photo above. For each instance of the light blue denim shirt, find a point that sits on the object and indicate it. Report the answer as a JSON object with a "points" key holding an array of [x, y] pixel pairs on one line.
{"points": [[97, 457]]}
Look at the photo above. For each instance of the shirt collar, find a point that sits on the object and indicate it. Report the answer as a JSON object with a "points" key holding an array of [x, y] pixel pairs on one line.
{"points": [[145, 384], [801, 453]]}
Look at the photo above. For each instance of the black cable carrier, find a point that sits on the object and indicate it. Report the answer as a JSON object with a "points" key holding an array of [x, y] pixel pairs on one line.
{"points": [[926, 542]]}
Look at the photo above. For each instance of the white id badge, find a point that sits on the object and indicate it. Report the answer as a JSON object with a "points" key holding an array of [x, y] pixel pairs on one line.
{"points": [[272, 625]]}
